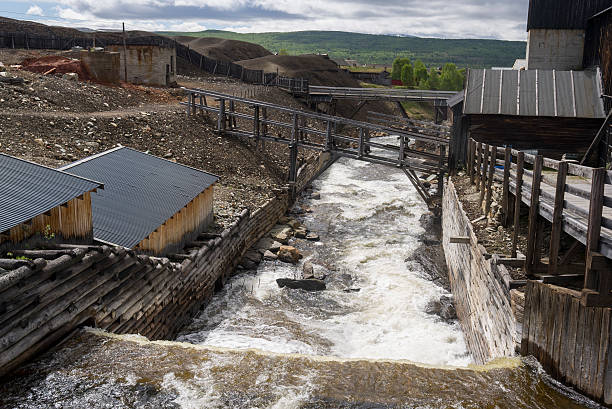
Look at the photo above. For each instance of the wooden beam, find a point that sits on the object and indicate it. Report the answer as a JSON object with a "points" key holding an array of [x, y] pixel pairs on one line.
{"points": [[532, 259], [557, 222], [460, 240], [490, 181], [506, 186], [518, 200], [594, 228]]}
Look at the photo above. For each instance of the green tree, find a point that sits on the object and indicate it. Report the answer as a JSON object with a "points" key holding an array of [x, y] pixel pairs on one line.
{"points": [[433, 82], [451, 79], [398, 63], [283, 51], [407, 75], [420, 72]]}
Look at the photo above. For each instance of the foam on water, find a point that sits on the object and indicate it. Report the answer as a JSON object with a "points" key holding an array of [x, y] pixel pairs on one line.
{"points": [[368, 219]]}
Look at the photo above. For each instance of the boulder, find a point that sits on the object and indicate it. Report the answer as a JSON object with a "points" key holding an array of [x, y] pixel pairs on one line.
{"points": [[71, 76], [443, 307], [312, 236], [306, 285], [284, 220], [268, 255], [308, 270], [301, 233], [289, 254], [281, 234], [268, 244], [251, 259], [316, 196], [294, 224]]}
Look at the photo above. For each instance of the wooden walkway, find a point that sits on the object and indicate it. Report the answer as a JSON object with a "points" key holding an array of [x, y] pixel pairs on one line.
{"points": [[575, 199], [340, 136], [380, 94]]}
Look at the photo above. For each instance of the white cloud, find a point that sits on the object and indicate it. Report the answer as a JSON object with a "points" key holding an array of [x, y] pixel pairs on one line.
{"points": [[35, 11]]}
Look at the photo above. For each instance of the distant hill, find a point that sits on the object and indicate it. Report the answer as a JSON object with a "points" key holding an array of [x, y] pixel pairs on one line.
{"points": [[382, 49], [223, 49]]}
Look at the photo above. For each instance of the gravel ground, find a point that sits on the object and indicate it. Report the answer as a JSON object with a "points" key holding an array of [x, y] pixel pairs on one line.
{"points": [[54, 121]]}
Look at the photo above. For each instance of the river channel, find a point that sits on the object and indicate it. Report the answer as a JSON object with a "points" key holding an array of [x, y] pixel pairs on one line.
{"points": [[365, 342]]}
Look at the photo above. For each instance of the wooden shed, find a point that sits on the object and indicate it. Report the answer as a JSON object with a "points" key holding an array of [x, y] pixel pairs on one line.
{"points": [[35, 199], [149, 204], [553, 112]]}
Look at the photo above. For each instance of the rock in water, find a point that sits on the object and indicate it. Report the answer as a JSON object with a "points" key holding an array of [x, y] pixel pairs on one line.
{"points": [[268, 244], [268, 255], [312, 236], [251, 259], [289, 254], [306, 285], [308, 270], [443, 307]]}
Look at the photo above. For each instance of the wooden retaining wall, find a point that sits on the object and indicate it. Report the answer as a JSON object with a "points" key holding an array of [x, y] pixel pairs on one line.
{"points": [[571, 341], [44, 300], [480, 287]]}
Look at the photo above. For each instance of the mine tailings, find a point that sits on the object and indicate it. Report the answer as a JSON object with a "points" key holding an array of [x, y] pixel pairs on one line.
{"points": [[371, 338]]}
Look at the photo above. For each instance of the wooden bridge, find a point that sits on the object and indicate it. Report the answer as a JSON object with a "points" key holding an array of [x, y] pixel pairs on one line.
{"points": [[575, 199], [340, 136]]}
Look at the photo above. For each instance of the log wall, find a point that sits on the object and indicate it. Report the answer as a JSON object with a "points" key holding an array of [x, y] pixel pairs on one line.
{"points": [[572, 342], [480, 287], [44, 300]]}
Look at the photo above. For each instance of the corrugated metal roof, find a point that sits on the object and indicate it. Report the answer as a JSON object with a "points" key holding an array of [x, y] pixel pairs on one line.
{"points": [[571, 94], [28, 190], [141, 192]]}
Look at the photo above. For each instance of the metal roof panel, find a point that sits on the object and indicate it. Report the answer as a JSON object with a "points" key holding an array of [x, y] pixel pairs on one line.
{"points": [[141, 192], [28, 189]]}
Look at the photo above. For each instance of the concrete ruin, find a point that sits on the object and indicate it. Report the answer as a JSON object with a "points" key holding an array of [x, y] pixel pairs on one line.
{"points": [[147, 65]]}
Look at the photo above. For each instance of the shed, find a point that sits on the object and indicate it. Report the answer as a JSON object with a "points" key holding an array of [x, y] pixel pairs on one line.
{"points": [[147, 64], [149, 204], [37, 199], [555, 112]]}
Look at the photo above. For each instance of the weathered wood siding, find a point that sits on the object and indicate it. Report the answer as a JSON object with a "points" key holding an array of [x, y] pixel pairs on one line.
{"points": [[480, 287], [572, 342], [181, 227], [551, 136], [118, 290], [71, 221]]}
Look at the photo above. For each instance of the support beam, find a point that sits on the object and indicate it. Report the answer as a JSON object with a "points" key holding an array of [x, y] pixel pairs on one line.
{"points": [[506, 187], [557, 219], [533, 243], [520, 163]]}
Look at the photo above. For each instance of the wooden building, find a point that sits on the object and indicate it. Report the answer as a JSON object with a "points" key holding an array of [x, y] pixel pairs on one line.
{"points": [[37, 201], [148, 204], [553, 112]]}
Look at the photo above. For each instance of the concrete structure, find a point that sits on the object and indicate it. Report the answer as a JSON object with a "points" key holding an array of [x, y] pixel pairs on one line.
{"points": [[148, 65], [555, 49], [104, 67]]}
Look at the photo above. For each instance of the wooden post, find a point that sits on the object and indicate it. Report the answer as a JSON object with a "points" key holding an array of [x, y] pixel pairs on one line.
{"points": [[402, 151], [361, 142], [125, 64], [490, 180], [591, 279], [478, 163], [221, 120], [520, 165], [470, 159], [506, 188], [557, 219], [483, 174], [189, 97], [531, 262], [329, 140], [256, 124], [441, 173]]}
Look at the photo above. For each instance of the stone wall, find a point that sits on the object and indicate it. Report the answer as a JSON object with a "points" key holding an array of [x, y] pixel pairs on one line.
{"points": [[45, 299], [555, 49], [480, 287]]}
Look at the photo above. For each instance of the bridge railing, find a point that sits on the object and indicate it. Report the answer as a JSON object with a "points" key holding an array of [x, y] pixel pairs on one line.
{"points": [[575, 199], [382, 93], [265, 122]]}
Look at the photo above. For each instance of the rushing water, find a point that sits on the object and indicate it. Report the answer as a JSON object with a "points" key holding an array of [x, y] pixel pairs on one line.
{"points": [[365, 342]]}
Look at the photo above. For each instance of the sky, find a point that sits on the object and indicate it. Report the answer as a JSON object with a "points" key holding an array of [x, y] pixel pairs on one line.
{"points": [[498, 19]]}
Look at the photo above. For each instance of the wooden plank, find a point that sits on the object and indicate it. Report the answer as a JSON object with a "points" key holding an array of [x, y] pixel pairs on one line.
{"points": [[592, 389], [490, 181], [483, 174], [460, 240], [557, 223], [527, 314], [517, 203], [534, 218], [594, 224], [570, 351], [564, 338], [578, 354], [479, 153], [559, 314], [603, 370], [506, 186]]}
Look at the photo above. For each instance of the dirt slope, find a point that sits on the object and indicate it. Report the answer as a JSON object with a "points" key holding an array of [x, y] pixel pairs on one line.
{"points": [[317, 69], [222, 49]]}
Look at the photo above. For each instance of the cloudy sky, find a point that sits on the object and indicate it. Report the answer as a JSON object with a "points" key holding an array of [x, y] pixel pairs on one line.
{"points": [[500, 19]]}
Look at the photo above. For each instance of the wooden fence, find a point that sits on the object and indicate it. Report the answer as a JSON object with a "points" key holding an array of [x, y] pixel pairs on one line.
{"points": [[575, 199], [218, 67]]}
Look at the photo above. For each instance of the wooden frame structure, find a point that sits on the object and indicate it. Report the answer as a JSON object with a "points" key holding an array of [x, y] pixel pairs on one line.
{"points": [[340, 136], [575, 199]]}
